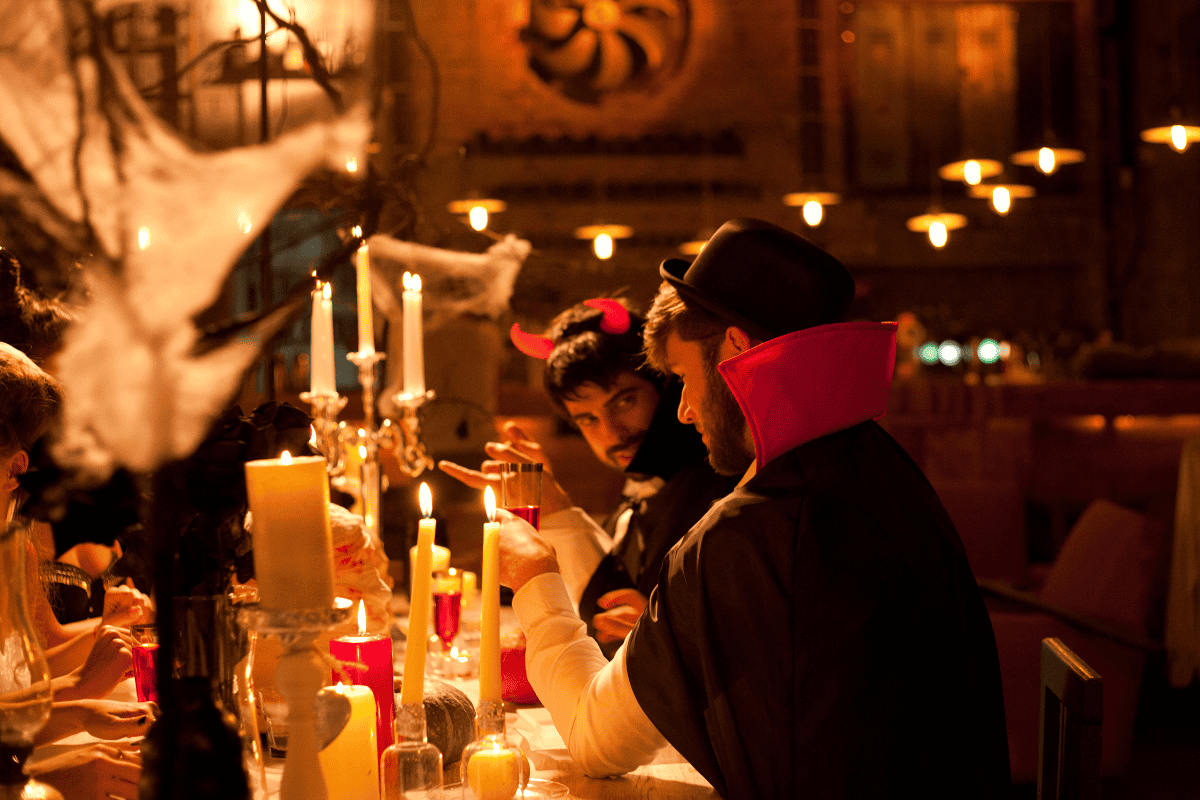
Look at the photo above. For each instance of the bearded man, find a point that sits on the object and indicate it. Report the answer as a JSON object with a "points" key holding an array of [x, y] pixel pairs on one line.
{"points": [[818, 633]]}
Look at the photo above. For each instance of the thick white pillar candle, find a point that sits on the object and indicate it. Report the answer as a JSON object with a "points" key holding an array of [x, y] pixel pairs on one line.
{"points": [[414, 337], [489, 609], [350, 762], [321, 371], [413, 689], [293, 544], [366, 324]]}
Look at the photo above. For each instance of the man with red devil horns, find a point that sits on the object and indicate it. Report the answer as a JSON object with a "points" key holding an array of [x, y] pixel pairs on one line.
{"points": [[598, 379], [818, 633]]}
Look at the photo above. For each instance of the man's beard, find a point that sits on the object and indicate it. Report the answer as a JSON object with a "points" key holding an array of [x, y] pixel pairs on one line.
{"points": [[725, 425]]}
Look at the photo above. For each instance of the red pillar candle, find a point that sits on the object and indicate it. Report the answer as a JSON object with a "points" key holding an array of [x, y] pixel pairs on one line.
{"points": [[374, 653]]}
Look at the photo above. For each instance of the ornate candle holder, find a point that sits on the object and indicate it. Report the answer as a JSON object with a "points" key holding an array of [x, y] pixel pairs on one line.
{"points": [[300, 674], [412, 767], [326, 408], [410, 452], [491, 767]]}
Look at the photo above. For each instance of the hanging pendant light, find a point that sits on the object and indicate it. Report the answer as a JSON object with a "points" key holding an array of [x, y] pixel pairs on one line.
{"points": [[476, 210], [1177, 134], [937, 224], [1001, 195], [970, 171], [1051, 155], [603, 237], [812, 205]]}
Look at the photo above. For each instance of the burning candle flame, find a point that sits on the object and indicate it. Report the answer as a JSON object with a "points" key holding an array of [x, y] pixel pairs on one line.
{"points": [[362, 618], [412, 282], [489, 503], [326, 291], [285, 457], [426, 500], [362, 453], [357, 231]]}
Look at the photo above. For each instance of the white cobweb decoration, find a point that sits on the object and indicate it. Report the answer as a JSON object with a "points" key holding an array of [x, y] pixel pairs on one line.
{"points": [[169, 224]]}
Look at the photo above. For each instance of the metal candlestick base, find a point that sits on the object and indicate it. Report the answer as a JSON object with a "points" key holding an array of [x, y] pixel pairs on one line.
{"points": [[299, 675], [410, 452], [326, 408]]}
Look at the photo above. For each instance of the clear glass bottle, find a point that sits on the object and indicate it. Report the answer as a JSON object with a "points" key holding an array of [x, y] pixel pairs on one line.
{"points": [[492, 769], [24, 673], [412, 767]]}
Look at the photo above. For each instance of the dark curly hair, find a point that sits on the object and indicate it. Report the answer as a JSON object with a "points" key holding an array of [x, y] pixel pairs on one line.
{"points": [[585, 354], [29, 400], [31, 323]]}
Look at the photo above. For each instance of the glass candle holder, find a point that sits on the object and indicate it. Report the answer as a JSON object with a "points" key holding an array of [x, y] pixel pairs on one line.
{"points": [[411, 767], [492, 769]]}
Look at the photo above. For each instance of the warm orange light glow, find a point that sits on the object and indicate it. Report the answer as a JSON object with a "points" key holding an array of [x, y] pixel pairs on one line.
{"points": [[938, 234], [478, 217], [813, 212], [411, 282], [425, 500], [489, 503], [1046, 160], [602, 245], [972, 173], [1179, 139], [285, 457], [1001, 200]]}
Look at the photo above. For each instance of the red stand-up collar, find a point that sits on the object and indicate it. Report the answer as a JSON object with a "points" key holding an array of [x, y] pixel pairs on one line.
{"points": [[803, 385]]}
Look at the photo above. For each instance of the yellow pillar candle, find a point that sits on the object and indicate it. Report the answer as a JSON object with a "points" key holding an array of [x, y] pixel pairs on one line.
{"points": [[494, 774], [350, 762], [489, 610], [293, 544], [366, 323], [413, 689], [470, 586], [321, 371]]}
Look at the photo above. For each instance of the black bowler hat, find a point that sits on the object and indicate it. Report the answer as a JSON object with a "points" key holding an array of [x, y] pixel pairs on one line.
{"points": [[763, 279]]}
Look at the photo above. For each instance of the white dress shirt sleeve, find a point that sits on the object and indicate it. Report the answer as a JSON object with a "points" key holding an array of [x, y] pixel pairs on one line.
{"points": [[580, 544], [589, 698]]}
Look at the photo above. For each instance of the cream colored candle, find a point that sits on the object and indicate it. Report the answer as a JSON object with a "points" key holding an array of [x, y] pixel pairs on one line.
{"points": [[293, 544], [470, 586], [366, 323], [414, 336], [489, 611], [350, 762], [439, 561], [321, 371], [412, 691]]}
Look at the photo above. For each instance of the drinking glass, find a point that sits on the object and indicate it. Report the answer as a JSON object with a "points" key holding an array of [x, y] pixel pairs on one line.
{"points": [[145, 653], [521, 491], [447, 605]]}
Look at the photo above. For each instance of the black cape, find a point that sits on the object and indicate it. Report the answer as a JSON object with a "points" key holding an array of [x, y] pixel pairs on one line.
{"points": [[820, 634], [674, 453]]}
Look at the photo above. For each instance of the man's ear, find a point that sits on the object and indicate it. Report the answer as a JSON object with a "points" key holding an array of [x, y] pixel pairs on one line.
{"points": [[738, 340], [16, 468]]}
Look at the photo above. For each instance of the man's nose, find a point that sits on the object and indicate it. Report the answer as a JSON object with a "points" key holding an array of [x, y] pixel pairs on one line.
{"points": [[684, 413]]}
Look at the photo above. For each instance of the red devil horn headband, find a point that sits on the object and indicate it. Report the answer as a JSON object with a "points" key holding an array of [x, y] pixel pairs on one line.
{"points": [[531, 344], [616, 316]]}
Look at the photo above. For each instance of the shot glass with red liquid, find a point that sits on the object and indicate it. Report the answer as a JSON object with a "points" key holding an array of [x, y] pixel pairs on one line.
{"points": [[521, 491], [145, 655]]}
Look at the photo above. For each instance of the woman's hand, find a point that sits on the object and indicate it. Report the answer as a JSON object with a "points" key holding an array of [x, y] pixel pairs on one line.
{"points": [[96, 772], [113, 719], [125, 606], [109, 662]]}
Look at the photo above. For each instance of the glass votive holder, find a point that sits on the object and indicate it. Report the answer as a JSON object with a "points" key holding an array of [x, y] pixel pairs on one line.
{"points": [[492, 769], [412, 767]]}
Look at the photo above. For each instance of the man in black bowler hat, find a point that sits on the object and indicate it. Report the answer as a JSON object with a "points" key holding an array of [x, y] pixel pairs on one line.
{"points": [[818, 633]]}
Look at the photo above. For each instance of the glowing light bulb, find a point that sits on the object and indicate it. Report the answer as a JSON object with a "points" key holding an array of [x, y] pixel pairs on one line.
{"points": [[950, 352], [1046, 161], [1179, 139], [989, 351], [1001, 200], [478, 217], [972, 173], [938, 234], [813, 212], [603, 246]]}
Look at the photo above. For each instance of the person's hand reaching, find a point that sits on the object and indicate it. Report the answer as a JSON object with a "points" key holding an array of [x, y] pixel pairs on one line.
{"points": [[113, 719], [523, 553], [125, 606], [517, 448], [624, 606], [109, 662]]}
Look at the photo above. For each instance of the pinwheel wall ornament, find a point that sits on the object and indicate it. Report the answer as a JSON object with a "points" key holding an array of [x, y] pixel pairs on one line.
{"points": [[589, 48]]}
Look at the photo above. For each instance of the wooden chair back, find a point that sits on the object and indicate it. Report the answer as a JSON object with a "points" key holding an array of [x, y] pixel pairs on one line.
{"points": [[1071, 715]]}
